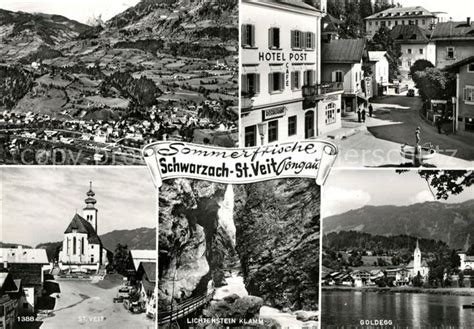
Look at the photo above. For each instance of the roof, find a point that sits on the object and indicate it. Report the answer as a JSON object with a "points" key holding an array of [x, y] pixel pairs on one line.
{"points": [[407, 12], [343, 51], [411, 264], [139, 256], [83, 226], [455, 66], [409, 34], [299, 4], [453, 30], [149, 268], [23, 256], [376, 56]]}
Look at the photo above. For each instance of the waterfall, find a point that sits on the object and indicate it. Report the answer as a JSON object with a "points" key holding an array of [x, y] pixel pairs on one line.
{"points": [[226, 213]]}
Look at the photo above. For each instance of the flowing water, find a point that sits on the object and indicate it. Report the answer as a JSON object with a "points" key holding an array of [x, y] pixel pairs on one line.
{"points": [[226, 213]]}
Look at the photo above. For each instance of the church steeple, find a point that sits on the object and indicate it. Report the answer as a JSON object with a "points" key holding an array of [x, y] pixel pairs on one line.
{"points": [[90, 211], [417, 258]]}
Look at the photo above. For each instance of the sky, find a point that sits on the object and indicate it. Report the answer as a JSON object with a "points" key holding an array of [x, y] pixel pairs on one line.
{"points": [[80, 11], [37, 204], [352, 189]]}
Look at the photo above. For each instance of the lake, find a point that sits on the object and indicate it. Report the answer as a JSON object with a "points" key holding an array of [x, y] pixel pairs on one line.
{"points": [[347, 309]]}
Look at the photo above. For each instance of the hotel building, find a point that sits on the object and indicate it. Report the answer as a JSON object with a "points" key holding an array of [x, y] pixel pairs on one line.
{"points": [[282, 96]]}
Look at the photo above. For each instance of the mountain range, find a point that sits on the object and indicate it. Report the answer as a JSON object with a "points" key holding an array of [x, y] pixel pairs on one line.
{"points": [[452, 223]]}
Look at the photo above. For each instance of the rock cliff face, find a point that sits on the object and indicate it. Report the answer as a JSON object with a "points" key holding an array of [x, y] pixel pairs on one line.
{"points": [[277, 240], [192, 244]]}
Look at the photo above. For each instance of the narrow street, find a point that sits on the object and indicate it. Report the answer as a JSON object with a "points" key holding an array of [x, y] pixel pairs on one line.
{"points": [[377, 142]]}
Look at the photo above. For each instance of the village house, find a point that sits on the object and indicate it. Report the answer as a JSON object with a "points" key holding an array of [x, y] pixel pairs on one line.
{"points": [[392, 17], [467, 262], [378, 62], [27, 265], [454, 42], [414, 44], [146, 275], [342, 63], [8, 305], [464, 98]]}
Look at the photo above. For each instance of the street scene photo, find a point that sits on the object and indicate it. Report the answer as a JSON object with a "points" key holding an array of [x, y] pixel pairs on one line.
{"points": [[390, 83], [402, 256], [95, 84], [243, 256], [82, 252]]}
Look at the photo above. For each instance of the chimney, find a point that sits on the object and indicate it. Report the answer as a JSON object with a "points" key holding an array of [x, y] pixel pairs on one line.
{"points": [[469, 21]]}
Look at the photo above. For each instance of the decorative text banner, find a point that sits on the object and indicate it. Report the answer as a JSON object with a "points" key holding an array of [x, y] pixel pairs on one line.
{"points": [[308, 159]]}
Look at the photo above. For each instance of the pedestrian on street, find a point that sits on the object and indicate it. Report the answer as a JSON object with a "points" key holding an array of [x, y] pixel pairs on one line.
{"points": [[358, 115], [371, 110], [363, 114], [438, 124]]}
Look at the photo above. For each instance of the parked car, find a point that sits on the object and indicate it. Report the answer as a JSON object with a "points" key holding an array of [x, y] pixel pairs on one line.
{"points": [[411, 93]]}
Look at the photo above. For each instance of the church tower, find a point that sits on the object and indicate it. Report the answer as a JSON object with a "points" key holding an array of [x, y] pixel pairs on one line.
{"points": [[417, 259], [90, 211]]}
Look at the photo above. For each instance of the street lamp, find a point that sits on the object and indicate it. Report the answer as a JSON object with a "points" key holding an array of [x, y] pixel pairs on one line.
{"points": [[262, 130]]}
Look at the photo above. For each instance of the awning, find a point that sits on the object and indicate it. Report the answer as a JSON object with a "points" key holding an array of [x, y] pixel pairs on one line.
{"points": [[51, 287]]}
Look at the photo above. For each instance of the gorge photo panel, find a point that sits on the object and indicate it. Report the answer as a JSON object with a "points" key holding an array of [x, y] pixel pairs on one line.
{"points": [[77, 248], [239, 255], [397, 249]]}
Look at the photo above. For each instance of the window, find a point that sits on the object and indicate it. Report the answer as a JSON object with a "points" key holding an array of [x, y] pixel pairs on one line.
{"points": [[272, 131], [409, 51], [421, 51], [470, 67], [250, 84], [295, 80], [248, 35], [92, 258], [330, 113], [403, 22], [389, 23], [274, 38], [416, 22], [92, 246], [409, 63], [309, 124], [450, 53], [383, 23], [337, 76], [296, 39], [396, 23], [423, 21], [309, 40], [82, 246], [275, 82], [250, 136], [370, 23], [376, 23], [292, 125], [469, 94], [309, 78], [74, 245]]}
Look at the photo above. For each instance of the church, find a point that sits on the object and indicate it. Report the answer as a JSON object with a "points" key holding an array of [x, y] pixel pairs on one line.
{"points": [[82, 249], [418, 265]]}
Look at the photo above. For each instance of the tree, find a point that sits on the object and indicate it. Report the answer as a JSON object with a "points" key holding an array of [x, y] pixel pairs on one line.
{"points": [[417, 280], [447, 182], [365, 8], [121, 258], [461, 279], [433, 83], [352, 26], [383, 41], [420, 65]]}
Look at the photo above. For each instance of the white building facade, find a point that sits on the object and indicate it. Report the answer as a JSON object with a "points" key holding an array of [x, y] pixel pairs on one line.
{"points": [[282, 98], [82, 248]]}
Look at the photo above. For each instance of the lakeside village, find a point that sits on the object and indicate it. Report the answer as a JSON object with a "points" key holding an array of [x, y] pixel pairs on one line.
{"points": [[78, 276], [107, 141], [331, 69], [368, 269]]}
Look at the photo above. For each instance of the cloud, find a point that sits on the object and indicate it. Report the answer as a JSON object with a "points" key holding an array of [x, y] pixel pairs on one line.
{"points": [[337, 200], [422, 196]]}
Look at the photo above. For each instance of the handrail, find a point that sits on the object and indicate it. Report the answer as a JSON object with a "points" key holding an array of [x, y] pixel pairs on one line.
{"points": [[184, 308]]}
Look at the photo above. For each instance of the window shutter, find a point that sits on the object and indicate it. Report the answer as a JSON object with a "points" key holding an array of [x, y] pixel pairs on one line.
{"points": [[313, 41], [303, 39], [270, 38], [293, 39], [243, 35], [252, 38], [282, 81], [465, 94], [257, 83], [293, 81], [333, 76], [245, 87], [270, 82]]}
